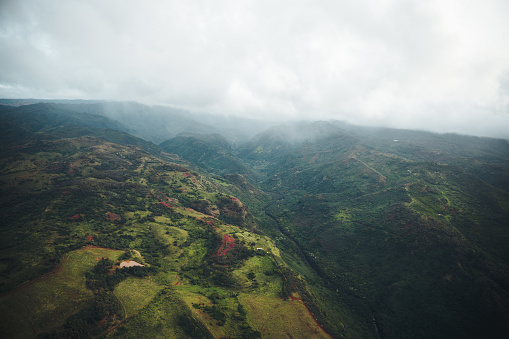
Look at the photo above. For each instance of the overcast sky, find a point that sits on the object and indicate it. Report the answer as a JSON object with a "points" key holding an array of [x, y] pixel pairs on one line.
{"points": [[428, 64]]}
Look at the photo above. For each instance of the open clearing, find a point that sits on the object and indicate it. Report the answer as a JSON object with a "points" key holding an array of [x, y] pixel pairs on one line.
{"points": [[135, 293], [44, 304], [276, 318]]}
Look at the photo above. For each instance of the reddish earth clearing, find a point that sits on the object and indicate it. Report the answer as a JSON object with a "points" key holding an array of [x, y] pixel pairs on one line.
{"points": [[161, 196], [226, 246], [113, 216], [166, 204], [101, 323]]}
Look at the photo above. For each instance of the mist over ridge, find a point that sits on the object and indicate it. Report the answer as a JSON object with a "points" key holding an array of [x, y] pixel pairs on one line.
{"points": [[312, 169], [158, 123], [343, 229], [440, 66]]}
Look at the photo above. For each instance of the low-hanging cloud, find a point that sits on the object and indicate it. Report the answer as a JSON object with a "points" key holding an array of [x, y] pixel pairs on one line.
{"points": [[439, 65]]}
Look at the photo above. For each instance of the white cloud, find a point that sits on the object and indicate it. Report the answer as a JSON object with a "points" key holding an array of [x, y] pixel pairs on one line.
{"points": [[438, 65]]}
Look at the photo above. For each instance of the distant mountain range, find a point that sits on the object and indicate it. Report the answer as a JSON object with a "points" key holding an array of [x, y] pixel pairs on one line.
{"points": [[158, 123], [246, 229]]}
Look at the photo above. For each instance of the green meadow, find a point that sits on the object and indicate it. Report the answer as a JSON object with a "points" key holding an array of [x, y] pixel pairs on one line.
{"points": [[44, 304]]}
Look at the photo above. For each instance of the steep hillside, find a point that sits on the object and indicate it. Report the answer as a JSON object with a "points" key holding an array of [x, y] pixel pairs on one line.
{"points": [[23, 122], [74, 210], [310, 230], [39, 123], [157, 123], [211, 152], [415, 239]]}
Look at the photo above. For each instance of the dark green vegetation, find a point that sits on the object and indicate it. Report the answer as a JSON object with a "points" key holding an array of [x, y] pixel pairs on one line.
{"points": [[100, 189], [211, 152], [412, 232], [375, 232]]}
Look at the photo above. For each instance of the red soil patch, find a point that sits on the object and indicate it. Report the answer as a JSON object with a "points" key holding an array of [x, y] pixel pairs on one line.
{"points": [[74, 217], [166, 204], [90, 237], [102, 322], [113, 216], [177, 283], [226, 246], [65, 192], [187, 174], [235, 199]]}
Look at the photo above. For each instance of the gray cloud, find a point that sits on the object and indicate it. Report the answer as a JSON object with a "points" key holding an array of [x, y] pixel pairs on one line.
{"points": [[439, 65]]}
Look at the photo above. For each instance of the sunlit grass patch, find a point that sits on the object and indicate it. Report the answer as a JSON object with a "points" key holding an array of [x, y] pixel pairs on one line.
{"points": [[343, 215], [167, 316], [162, 220], [277, 318], [45, 303], [195, 252], [192, 296], [261, 275], [135, 293]]}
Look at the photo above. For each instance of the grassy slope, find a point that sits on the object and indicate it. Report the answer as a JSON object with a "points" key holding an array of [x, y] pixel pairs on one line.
{"points": [[378, 229], [386, 231], [135, 293], [83, 191], [276, 318], [210, 152], [44, 304]]}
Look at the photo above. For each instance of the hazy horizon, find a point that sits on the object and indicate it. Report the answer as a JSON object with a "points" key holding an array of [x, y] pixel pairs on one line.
{"points": [[439, 66]]}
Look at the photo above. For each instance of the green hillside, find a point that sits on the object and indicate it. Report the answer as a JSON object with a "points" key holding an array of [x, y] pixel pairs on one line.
{"points": [[207, 270], [211, 152], [411, 230], [309, 230]]}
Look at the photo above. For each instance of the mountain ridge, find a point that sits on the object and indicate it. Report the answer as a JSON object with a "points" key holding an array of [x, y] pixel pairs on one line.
{"points": [[377, 232]]}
